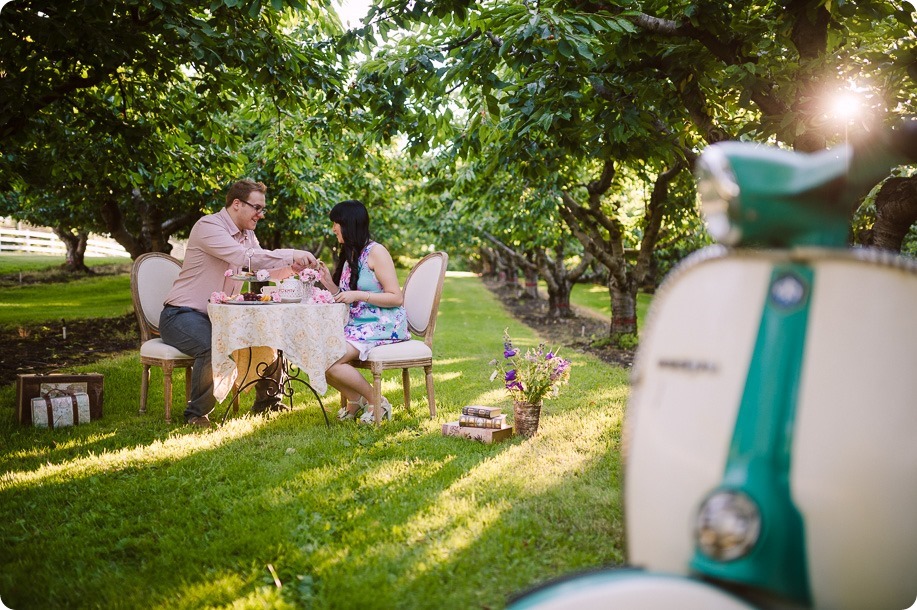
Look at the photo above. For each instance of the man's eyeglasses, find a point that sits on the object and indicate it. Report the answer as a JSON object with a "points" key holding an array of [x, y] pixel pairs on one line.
{"points": [[259, 209]]}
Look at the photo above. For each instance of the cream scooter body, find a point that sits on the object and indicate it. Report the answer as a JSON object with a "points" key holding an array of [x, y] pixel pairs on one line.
{"points": [[853, 455]]}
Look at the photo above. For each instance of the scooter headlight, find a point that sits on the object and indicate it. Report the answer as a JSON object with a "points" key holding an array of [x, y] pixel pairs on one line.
{"points": [[728, 525], [719, 192]]}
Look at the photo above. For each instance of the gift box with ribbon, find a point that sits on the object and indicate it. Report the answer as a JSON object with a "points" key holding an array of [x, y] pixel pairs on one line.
{"points": [[60, 409]]}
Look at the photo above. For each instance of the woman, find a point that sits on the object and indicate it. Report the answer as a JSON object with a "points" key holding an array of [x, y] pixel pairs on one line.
{"points": [[364, 277]]}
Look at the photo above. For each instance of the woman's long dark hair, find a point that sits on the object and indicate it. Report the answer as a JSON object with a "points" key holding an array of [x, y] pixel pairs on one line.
{"points": [[354, 221]]}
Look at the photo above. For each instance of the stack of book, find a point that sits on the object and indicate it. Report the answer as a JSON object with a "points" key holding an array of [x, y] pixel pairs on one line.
{"points": [[485, 424]]}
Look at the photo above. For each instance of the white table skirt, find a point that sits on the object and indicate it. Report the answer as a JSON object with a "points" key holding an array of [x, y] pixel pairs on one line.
{"points": [[310, 335]]}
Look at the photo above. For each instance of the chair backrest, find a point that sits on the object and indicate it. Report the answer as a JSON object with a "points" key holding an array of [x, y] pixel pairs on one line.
{"points": [[152, 275], [422, 290]]}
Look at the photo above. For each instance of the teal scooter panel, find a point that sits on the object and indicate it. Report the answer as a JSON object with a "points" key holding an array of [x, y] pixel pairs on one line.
{"points": [[758, 464]]}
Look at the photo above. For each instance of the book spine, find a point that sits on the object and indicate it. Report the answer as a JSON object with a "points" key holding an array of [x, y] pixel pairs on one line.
{"points": [[487, 412], [470, 421]]}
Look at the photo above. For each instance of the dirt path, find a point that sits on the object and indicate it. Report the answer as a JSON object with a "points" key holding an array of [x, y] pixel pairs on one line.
{"points": [[577, 332]]}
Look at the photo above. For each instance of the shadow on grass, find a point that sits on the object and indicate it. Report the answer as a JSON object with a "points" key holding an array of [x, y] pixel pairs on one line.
{"points": [[346, 516]]}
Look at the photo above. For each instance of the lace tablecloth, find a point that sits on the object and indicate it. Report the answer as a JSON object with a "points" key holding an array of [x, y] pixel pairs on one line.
{"points": [[311, 337]]}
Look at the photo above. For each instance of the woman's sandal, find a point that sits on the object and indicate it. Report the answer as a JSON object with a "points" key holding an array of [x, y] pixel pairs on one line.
{"points": [[352, 410], [369, 417]]}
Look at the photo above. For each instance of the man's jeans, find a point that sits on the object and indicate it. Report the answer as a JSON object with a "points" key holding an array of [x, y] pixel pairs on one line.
{"points": [[189, 330]]}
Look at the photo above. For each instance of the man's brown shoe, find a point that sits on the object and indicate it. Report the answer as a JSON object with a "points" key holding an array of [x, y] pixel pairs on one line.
{"points": [[201, 422]]}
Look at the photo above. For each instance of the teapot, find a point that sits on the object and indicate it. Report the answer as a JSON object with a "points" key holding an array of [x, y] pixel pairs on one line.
{"points": [[291, 290]]}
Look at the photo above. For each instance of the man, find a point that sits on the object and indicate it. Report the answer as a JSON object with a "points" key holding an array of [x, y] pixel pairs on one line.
{"points": [[218, 242]]}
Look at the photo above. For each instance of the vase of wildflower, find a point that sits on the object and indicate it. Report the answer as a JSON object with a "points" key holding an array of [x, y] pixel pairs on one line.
{"points": [[529, 379]]}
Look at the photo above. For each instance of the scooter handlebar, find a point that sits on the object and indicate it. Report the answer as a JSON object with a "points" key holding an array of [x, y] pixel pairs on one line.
{"points": [[755, 195]]}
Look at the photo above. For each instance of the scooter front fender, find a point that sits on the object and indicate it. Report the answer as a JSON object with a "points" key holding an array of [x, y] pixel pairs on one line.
{"points": [[627, 588]]}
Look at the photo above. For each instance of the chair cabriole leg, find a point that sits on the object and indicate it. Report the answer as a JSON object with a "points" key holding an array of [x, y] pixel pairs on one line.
{"points": [[144, 387], [406, 383], [167, 391], [377, 396], [188, 372], [428, 371]]}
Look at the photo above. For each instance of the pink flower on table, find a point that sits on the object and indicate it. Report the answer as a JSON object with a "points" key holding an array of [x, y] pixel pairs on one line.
{"points": [[322, 296], [229, 273], [218, 297], [263, 275], [310, 275], [275, 296]]}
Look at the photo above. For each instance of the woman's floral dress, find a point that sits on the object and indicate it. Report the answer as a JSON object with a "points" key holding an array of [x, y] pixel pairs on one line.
{"points": [[371, 325]]}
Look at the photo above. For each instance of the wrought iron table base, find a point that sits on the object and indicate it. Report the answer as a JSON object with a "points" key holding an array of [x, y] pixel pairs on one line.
{"points": [[289, 373]]}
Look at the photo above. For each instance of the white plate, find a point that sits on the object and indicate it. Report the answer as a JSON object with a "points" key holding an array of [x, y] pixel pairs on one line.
{"points": [[299, 300], [246, 278], [248, 302]]}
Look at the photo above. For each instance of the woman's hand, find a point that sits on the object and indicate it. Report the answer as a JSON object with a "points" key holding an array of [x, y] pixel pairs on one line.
{"points": [[349, 296], [326, 278]]}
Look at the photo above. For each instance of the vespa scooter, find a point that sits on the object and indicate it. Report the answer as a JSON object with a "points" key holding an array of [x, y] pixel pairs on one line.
{"points": [[770, 441]]}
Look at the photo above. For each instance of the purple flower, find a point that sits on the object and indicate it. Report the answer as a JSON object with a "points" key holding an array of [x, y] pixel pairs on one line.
{"points": [[514, 385], [509, 352], [510, 375], [560, 369], [549, 356]]}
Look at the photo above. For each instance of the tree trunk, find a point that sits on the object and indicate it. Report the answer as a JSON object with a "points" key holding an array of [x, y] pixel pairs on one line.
{"points": [[560, 280], [76, 249], [559, 283], [511, 275], [154, 232], [623, 308], [896, 212], [488, 263], [655, 211], [506, 263], [602, 236], [810, 37], [530, 273], [114, 223]]}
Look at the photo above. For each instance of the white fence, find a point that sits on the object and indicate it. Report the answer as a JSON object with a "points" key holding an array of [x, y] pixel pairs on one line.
{"points": [[45, 242]]}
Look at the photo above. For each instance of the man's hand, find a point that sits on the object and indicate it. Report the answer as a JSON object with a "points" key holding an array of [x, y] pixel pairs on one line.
{"points": [[303, 261]]}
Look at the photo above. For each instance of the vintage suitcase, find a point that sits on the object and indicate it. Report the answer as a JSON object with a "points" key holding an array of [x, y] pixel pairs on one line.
{"points": [[57, 409], [37, 386]]}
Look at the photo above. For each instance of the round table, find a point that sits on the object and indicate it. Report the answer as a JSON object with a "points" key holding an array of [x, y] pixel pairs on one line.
{"points": [[309, 336]]}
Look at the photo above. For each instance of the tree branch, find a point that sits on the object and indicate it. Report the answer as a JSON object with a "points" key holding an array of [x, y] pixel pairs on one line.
{"points": [[729, 52]]}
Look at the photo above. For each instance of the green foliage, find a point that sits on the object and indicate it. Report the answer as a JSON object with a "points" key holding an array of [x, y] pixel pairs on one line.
{"points": [[627, 341], [283, 512], [132, 117], [548, 91], [140, 109]]}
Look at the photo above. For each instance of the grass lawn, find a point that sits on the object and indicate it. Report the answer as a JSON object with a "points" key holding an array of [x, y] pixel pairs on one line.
{"points": [[101, 296], [15, 262], [283, 512], [90, 297]]}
